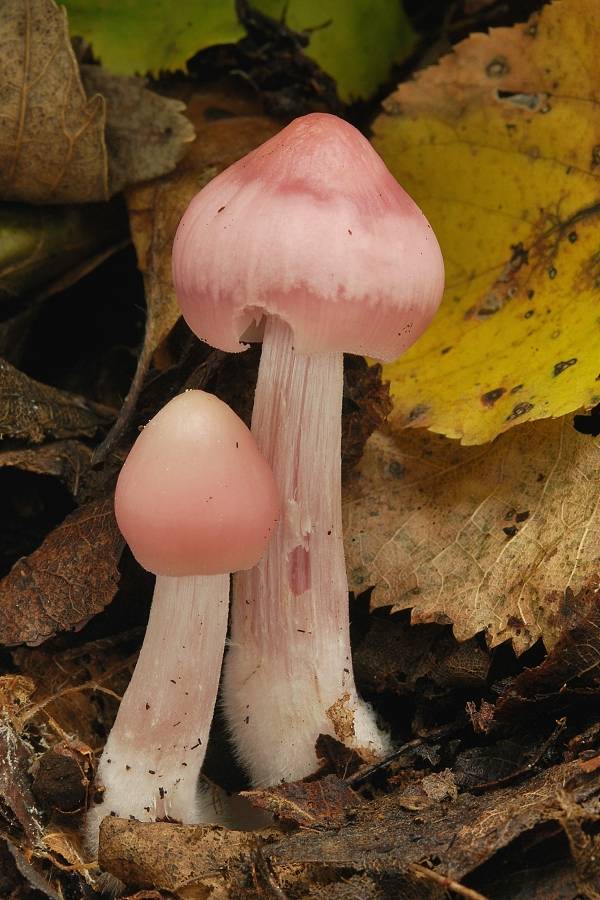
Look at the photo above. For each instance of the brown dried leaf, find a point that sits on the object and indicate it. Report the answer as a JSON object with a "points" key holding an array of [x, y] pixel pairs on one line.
{"points": [[71, 136], [366, 406], [571, 667], [33, 411], [146, 134], [156, 208], [15, 692], [62, 777], [17, 803], [461, 834], [52, 146], [71, 577], [499, 538], [325, 803], [403, 659], [191, 861], [65, 460], [76, 689]]}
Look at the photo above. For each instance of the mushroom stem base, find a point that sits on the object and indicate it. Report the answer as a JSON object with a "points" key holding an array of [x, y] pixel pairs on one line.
{"points": [[151, 762], [288, 672]]}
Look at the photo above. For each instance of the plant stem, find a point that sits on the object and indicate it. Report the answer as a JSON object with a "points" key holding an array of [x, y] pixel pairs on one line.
{"points": [[288, 673], [153, 756]]}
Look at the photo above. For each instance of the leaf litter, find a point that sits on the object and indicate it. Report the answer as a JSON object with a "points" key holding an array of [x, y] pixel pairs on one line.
{"points": [[61, 142], [493, 787]]}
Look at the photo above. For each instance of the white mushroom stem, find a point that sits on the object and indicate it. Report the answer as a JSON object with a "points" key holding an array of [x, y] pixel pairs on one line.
{"points": [[151, 762], [288, 672]]}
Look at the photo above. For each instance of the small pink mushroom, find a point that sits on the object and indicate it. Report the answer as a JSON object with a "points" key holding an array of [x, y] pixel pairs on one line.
{"points": [[311, 241], [195, 500]]}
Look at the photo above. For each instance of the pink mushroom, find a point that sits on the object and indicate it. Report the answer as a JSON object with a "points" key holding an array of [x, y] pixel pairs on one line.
{"points": [[311, 241], [195, 501]]}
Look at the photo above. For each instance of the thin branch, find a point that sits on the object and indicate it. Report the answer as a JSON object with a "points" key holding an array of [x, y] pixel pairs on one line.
{"points": [[448, 883]]}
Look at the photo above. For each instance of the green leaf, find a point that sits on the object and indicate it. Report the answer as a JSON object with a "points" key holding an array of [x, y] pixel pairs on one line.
{"points": [[140, 36], [356, 42]]}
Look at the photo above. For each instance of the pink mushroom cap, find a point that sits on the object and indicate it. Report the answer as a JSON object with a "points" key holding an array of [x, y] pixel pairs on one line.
{"points": [[195, 496], [311, 227]]}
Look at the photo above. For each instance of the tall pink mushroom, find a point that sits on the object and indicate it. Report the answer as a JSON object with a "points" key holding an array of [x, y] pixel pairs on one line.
{"points": [[310, 240], [195, 501]]}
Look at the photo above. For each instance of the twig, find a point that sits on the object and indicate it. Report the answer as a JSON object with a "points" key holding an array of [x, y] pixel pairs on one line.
{"points": [[523, 770], [267, 876], [442, 732], [448, 883]]}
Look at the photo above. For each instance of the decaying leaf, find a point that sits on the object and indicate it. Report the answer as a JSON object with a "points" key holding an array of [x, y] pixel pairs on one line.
{"points": [[72, 576], [501, 538], [143, 36], [188, 860], [33, 411], [355, 43], [58, 145], [146, 134], [571, 668], [52, 146], [460, 835], [325, 803], [366, 406], [75, 690], [39, 244], [403, 659], [227, 128], [500, 146], [17, 804], [63, 459], [62, 777]]}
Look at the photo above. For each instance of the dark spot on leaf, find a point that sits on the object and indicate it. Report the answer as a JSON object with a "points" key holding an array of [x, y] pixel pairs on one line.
{"points": [[396, 469], [596, 156], [572, 237], [529, 313], [519, 410], [552, 272], [564, 364], [510, 530], [516, 389], [522, 516], [497, 67], [417, 412], [530, 293], [446, 350], [490, 397]]}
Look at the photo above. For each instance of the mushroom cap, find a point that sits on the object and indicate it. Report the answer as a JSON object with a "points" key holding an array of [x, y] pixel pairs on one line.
{"points": [[195, 496], [311, 227]]}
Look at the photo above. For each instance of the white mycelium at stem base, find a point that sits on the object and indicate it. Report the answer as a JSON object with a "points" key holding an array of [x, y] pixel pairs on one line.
{"points": [[152, 759], [288, 673], [311, 232], [195, 500]]}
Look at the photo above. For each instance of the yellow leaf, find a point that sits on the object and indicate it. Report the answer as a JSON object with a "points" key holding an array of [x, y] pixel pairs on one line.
{"points": [[501, 538], [500, 146]]}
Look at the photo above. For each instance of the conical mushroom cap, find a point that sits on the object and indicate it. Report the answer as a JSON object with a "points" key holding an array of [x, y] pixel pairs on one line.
{"points": [[313, 228], [195, 496]]}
